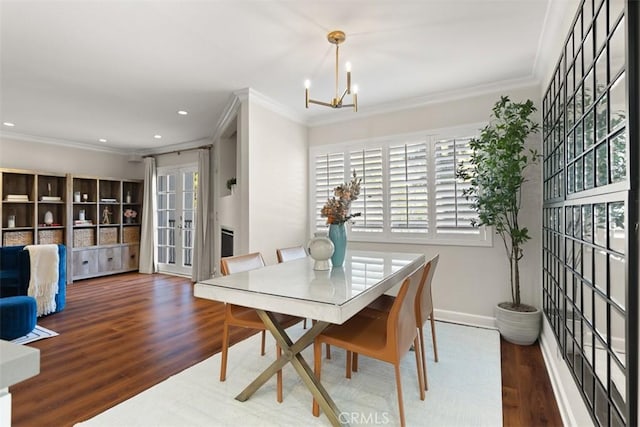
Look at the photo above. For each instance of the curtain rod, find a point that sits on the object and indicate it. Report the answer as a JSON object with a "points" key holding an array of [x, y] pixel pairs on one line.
{"points": [[202, 147]]}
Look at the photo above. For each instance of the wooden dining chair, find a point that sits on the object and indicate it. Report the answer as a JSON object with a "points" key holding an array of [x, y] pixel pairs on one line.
{"points": [[235, 315], [289, 254], [387, 337], [423, 309]]}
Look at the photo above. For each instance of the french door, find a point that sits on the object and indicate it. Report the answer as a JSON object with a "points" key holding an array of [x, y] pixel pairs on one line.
{"points": [[176, 201]]}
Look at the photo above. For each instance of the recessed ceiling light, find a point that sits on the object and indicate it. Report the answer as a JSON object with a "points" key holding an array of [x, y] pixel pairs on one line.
{"points": [[182, 112], [9, 124], [102, 140], [157, 136]]}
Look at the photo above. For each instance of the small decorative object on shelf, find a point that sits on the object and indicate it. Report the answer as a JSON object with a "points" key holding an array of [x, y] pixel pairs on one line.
{"points": [[52, 199], [128, 197], [85, 197], [48, 217], [17, 198], [129, 215], [336, 210], [81, 216], [106, 215], [11, 221], [76, 197]]}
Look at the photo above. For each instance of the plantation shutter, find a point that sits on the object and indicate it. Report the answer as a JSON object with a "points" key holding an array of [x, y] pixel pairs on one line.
{"points": [[368, 165], [408, 201], [453, 210], [329, 173]]}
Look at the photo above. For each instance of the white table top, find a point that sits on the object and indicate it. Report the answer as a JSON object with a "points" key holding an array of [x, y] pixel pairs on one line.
{"points": [[295, 288], [17, 363]]}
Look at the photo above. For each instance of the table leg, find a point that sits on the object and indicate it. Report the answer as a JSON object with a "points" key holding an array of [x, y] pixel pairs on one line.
{"points": [[291, 354]]}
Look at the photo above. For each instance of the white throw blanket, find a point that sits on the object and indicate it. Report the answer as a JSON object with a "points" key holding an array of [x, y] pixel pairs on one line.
{"points": [[43, 285]]}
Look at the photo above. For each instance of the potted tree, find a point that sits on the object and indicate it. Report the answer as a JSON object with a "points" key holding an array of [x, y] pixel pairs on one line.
{"points": [[496, 172]]}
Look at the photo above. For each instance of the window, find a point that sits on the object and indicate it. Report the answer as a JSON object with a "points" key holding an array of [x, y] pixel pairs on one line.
{"points": [[409, 191], [329, 173], [453, 210]]}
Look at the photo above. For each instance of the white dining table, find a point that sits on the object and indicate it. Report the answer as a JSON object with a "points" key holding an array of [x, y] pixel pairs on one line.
{"points": [[329, 297]]}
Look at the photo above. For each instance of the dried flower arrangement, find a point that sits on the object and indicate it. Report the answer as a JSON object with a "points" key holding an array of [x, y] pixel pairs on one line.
{"points": [[336, 210]]}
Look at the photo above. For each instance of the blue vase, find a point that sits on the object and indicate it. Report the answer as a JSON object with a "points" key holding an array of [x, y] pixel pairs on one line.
{"points": [[338, 235]]}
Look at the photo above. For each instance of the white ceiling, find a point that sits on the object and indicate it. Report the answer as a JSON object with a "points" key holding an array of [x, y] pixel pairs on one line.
{"points": [[77, 71]]}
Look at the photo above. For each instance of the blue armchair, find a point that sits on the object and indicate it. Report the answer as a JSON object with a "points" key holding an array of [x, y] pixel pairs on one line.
{"points": [[15, 273]]}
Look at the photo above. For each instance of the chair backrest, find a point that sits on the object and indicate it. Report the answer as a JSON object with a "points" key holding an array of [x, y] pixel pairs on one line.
{"points": [[401, 323], [239, 263], [424, 299], [289, 254]]}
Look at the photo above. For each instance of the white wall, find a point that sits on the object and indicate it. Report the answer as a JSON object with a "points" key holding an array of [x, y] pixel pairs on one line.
{"points": [[48, 157], [277, 173], [470, 280]]}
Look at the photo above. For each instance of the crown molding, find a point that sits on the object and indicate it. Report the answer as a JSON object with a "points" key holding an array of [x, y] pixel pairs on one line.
{"points": [[188, 145], [555, 30], [228, 113], [425, 100], [63, 143], [272, 105]]}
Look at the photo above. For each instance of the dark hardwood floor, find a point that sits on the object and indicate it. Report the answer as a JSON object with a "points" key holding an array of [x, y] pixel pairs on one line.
{"points": [[119, 335]]}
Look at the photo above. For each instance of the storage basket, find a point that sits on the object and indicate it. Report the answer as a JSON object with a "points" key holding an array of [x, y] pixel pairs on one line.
{"points": [[131, 235], [17, 238], [47, 237], [84, 237], [108, 236]]}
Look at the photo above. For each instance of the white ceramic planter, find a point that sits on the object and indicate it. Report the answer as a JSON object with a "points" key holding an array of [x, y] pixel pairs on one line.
{"points": [[522, 328]]}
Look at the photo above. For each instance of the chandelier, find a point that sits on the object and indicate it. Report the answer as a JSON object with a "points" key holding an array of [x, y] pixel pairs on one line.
{"points": [[336, 38]]}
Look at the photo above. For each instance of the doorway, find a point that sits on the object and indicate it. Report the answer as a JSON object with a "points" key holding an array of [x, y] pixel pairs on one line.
{"points": [[176, 201]]}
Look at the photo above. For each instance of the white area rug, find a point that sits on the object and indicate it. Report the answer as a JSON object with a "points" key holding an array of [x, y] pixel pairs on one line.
{"points": [[39, 333], [464, 389]]}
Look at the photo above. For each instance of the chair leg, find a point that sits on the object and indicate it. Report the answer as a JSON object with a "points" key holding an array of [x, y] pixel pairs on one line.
{"points": [[399, 389], [348, 365], [262, 351], [422, 357], [328, 356], [433, 336], [317, 367], [354, 364], [419, 368], [279, 377], [225, 350], [304, 324]]}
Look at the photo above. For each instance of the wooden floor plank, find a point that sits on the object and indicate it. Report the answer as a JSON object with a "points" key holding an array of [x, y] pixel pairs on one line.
{"points": [[120, 335]]}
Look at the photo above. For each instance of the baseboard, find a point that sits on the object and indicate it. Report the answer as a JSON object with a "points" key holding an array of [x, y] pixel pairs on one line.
{"points": [[571, 414], [465, 318]]}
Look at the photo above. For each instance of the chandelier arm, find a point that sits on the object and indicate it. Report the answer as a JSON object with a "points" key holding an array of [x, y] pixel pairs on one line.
{"points": [[342, 97], [326, 104]]}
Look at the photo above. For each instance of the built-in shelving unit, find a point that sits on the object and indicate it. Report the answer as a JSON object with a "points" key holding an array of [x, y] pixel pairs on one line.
{"points": [[106, 227], [32, 207], [93, 216]]}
